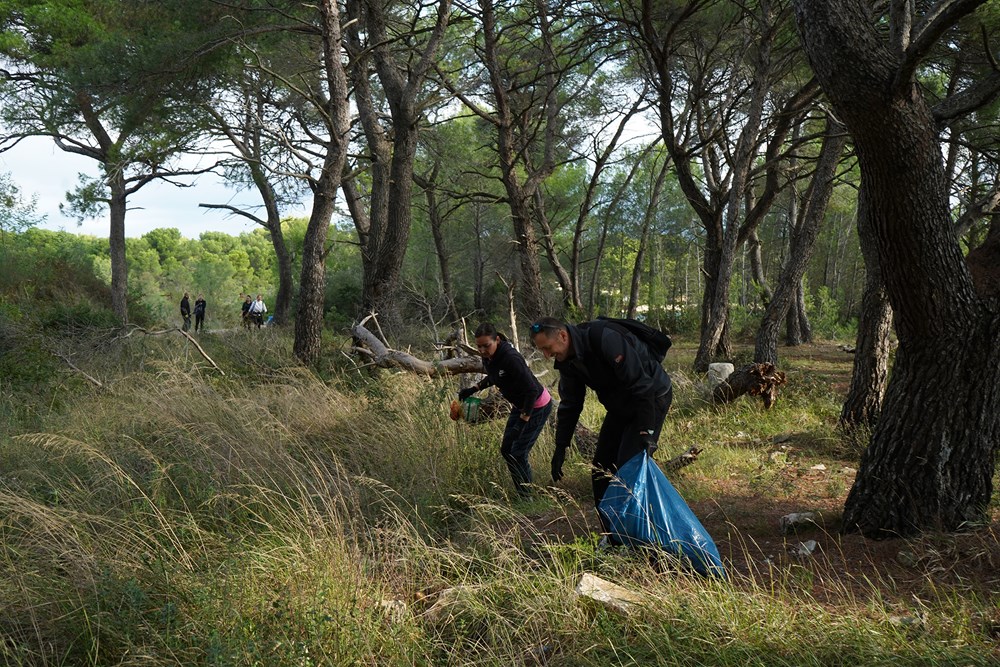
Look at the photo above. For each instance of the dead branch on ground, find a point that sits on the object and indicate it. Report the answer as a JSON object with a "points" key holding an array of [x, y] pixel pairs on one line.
{"points": [[760, 379], [87, 376], [682, 460], [379, 354]]}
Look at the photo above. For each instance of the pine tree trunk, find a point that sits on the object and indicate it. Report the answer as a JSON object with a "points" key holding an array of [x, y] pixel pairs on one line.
{"points": [[116, 246], [312, 285], [283, 299], [931, 458], [871, 351]]}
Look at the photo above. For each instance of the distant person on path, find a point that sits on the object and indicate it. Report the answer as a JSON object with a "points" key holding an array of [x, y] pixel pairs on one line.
{"points": [[629, 382], [257, 310], [530, 401], [246, 311], [185, 312], [199, 313]]}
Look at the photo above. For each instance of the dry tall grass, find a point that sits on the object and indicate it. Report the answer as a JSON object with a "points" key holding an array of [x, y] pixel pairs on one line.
{"points": [[183, 518]]}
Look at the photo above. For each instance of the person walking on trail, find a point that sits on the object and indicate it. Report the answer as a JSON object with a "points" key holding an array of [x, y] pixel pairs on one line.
{"points": [[199, 313], [185, 312], [628, 380], [257, 310], [245, 317], [531, 403]]}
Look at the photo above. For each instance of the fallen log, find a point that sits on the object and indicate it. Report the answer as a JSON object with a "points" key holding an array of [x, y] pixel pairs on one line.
{"points": [[379, 354], [760, 379]]}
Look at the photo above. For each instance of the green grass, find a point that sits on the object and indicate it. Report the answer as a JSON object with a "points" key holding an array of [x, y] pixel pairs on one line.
{"points": [[268, 517]]}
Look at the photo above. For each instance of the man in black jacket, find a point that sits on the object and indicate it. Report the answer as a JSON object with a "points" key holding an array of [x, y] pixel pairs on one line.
{"points": [[185, 312], [629, 382]]}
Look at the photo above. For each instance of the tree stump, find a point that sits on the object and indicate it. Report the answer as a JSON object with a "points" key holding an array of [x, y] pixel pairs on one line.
{"points": [[754, 379]]}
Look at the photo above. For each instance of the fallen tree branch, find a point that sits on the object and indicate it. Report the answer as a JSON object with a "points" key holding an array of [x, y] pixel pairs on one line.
{"points": [[760, 379], [385, 357], [90, 378], [132, 329], [203, 353], [682, 460]]}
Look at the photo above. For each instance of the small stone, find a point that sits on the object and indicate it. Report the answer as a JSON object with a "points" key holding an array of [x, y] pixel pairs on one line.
{"points": [[847, 470], [818, 466], [783, 437], [803, 550], [791, 522]]}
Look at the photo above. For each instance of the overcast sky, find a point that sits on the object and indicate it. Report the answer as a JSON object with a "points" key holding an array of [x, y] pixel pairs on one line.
{"points": [[39, 168]]}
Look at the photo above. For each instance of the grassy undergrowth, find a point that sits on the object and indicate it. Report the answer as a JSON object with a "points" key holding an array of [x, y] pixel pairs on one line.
{"points": [[268, 517]]}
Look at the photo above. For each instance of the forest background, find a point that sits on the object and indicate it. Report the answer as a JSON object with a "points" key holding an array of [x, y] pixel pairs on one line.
{"points": [[811, 169]]}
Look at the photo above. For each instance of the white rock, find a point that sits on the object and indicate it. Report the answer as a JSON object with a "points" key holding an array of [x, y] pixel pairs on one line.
{"points": [[803, 550], [719, 372], [818, 466], [610, 595]]}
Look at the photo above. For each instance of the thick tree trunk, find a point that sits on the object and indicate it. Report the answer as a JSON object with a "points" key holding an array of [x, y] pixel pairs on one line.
{"points": [[389, 236], [931, 459], [116, 246], [722, 348], [805, 327], [530, 281], [392, 181], [793, 323], [757, 269], [312, 285]]}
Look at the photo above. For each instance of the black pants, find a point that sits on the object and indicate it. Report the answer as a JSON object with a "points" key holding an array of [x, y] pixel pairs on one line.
{"points": [[518, 439], [619, 441], [199, 321], [187, 322]]}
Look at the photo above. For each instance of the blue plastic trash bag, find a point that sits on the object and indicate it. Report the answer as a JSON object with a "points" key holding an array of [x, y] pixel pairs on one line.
{"points": [[641, 507]]}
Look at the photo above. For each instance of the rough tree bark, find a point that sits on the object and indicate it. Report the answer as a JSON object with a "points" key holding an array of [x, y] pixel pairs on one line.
{"points": [[931, 458], [871, 351], [402, 77], [117, 206], [312, 283]]}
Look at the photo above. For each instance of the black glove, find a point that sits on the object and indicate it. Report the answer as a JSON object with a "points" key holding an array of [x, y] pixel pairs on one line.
{"points": [[465, 393], [558, 457], [648, 443]]}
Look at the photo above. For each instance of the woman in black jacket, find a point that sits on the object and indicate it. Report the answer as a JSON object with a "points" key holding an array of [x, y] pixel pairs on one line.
{"points": [[531, 403]]}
